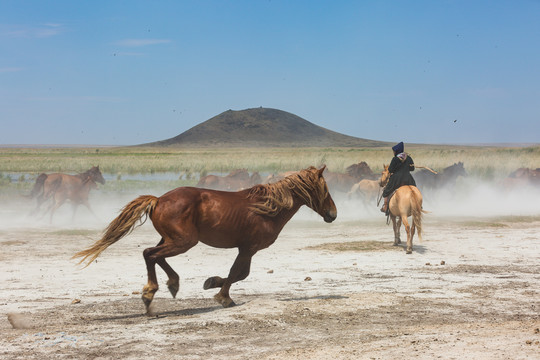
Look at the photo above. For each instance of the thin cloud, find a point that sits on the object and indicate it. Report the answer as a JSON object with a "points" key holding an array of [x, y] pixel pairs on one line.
{"points": [[142, 42], [33, 32], [10, 69]]}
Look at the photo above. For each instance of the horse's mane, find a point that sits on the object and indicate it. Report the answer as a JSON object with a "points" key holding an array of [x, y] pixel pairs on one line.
{"points": [[88, 174], [85, 176], [272, 198]]}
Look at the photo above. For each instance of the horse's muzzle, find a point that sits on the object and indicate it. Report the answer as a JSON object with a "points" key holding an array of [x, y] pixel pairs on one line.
{"points": [[330, 216]]}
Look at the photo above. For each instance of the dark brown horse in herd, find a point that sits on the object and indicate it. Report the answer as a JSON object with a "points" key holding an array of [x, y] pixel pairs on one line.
{"points": [[339, 182], [429, 180], [249, 220], [522, 177], [236, 180], [61, 187]]}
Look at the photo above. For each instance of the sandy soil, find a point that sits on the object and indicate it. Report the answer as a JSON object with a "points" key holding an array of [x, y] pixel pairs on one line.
{"points": [[470, 290]]}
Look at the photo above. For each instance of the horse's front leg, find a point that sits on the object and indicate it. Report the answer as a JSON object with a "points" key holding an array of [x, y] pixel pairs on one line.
{"points": [[54, 206], [74, 207], [396, 224], [87, 204], [239, 271]]}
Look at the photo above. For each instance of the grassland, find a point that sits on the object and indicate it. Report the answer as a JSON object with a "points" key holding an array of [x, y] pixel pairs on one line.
{"points": [[486, 161], [23, 164]]}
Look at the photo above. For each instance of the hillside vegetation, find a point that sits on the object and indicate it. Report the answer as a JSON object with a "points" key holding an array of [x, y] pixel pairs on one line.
{"points": [[262, 127]]}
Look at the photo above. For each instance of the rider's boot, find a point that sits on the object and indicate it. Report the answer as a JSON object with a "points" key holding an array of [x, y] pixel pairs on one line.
{"points": [[384, 208]]}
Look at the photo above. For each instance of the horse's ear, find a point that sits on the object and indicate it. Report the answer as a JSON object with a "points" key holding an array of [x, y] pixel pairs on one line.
{"points": [[321, 170]]}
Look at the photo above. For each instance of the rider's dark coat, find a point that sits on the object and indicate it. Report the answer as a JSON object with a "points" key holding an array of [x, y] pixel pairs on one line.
{"points": [[400, 170]]}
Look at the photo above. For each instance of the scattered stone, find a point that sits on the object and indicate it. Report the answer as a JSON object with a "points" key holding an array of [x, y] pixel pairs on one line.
{"points": [[428, 264], [136, 293], [76, 301], [443, 262], [19, 321], [270, 272], [307, 278]]}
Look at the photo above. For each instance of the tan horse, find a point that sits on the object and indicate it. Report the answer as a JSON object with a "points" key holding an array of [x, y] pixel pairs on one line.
{"points": [[61, 187], [406, 201], [367, 189]]}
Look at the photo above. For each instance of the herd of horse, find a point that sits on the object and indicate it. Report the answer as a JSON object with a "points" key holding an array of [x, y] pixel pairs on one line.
{"points": [[243, 211]]}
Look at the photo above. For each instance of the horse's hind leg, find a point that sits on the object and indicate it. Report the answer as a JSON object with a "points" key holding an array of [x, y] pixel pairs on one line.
{"points": [[239, 271], [156, 255], [173, 284], [413, 229], [409, 234], [396, 224]]}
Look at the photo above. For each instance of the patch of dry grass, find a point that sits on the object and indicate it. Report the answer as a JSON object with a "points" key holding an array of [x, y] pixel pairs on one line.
{"points": [[355, 246]]}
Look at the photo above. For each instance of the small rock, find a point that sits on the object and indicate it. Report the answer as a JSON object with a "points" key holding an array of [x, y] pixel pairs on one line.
{"points": [[76, 301], [443, 262], [307, 278], [136, 293], [428, 264], [270, 272]]}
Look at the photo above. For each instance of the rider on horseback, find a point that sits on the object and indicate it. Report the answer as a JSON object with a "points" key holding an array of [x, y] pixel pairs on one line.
{"points": [[400, 167]]}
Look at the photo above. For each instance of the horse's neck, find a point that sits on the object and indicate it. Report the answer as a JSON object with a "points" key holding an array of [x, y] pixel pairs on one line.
{"points": [[83, 176], [285, 215]]}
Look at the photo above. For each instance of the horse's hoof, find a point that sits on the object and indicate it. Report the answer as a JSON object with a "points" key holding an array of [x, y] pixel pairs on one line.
{"points": [[174, 290], [173, 286], [395, 244], [213, 282], [146, 302], [408, 252], [226, 302], [148, 296], [209, 283]]}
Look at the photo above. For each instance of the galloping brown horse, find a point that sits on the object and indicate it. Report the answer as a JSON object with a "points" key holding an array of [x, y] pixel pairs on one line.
{"points": [[61, 187], [406, 201], [249, 220]]}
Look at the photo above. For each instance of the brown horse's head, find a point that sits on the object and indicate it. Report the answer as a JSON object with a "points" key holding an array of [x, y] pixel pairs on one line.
{"points": [[95, 174], [385, 175], [326, 206]]}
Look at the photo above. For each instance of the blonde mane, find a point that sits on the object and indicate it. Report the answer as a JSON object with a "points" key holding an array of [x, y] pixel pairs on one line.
{"points": [[307, 184]]}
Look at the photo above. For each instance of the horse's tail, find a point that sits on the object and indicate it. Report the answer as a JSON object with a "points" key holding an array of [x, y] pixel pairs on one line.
{"points": [[38, 186], [119, 227], [417, 211]]}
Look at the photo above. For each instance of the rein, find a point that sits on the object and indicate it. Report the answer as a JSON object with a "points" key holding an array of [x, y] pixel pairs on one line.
{"points": [[425, 167]]}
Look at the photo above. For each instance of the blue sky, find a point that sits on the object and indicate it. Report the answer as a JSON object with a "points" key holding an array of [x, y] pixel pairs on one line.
{"points": [[130, 72]]}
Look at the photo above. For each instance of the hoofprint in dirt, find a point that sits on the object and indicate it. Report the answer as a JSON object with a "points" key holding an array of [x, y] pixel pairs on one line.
{"points": [[470, 290]]}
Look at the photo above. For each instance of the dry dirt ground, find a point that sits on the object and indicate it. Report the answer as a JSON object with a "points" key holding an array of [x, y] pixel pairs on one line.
{"points": [[470, 290]]}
